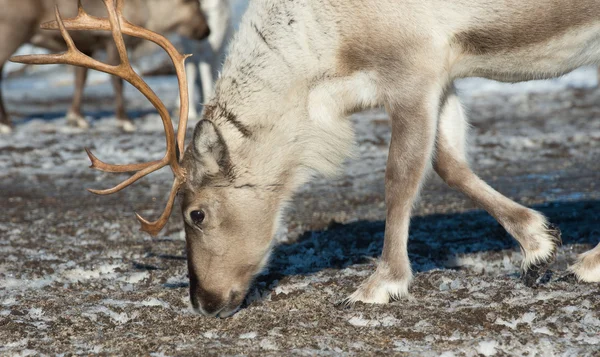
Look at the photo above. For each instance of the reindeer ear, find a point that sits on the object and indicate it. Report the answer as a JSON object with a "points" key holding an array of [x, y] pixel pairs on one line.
{"points": [[208, 147]]}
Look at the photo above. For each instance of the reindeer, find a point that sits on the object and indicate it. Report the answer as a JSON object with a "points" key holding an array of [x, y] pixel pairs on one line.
{"points": [[203, 67], [19, 21], [295, 70]]}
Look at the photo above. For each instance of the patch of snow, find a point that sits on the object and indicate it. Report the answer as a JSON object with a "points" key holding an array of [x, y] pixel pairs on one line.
{"points": [[448, 354], [248, 335], [155, 302], [487, 348], [286, 289], [158, 354], [267, 344], [137, 277], [117, 318], [543, 330], [36, 313], [526, 318], [26, 284], [591, 319], [385, 321], [210, 334], [81, 275]]}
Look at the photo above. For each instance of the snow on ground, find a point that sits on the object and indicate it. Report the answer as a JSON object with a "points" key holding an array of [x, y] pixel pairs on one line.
{"points": [[77, 277]]}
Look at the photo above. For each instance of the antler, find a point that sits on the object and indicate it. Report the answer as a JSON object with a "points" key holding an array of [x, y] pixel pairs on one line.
{"points": [[118, 25]]}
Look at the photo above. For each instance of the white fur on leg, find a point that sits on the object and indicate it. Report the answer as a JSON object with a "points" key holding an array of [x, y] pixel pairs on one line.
{"points": [[380, 287], [76, 120], [5, 129], [207, 80], [587, 267], [126, 125], [190, 72]]}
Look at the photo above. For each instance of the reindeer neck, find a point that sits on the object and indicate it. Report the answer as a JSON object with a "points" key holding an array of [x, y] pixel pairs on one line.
{"points": [[260, 104]]}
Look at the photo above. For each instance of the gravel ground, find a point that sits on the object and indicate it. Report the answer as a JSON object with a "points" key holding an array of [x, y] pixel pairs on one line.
{"points": [[77, 277]]}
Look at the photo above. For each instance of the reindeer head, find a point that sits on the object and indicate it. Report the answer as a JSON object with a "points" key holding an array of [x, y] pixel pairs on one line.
{"points": [[229, 222], [184, 17]]}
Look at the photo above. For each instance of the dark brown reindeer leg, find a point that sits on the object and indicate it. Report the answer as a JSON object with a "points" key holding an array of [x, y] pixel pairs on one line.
{"points": [[74, 115], [537, 238], [12, 35], [123, 120], [5, 124]]}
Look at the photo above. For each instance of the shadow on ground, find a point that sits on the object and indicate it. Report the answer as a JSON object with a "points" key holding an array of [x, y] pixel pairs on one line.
{"points": [[434, 240]]}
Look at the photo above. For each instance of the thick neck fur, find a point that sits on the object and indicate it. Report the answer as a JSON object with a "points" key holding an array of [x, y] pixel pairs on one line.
{"points": [[261, 101]]}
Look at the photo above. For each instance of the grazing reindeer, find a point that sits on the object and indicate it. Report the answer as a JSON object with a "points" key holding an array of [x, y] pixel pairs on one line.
{"points": [[20, 19], [296, 69]]}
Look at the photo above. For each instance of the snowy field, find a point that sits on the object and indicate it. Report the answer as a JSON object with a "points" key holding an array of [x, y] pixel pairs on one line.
{"points": [[78, 278]]}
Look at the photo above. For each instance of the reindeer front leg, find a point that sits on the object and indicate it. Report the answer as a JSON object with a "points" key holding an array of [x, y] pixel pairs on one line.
{"points": [[587, 266], [413, 136]]}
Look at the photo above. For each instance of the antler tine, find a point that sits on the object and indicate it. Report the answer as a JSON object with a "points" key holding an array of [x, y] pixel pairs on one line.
{"points": [[118, 25], [138, 175], [114, 17], [155, 227], [101, 166], [87, 22]]}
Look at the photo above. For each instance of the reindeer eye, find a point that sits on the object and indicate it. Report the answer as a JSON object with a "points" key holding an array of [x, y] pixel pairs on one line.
{"points": [[197, 217]]}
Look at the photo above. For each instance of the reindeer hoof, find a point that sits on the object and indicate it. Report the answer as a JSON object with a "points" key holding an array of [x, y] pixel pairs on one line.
{"points": [[380, 288], [77, 121], [5, 129], [534, 271], [126, 125]]}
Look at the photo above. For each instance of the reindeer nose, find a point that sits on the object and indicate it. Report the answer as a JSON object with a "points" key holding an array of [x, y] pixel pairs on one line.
{"points": [[211, 304], [201, 32]]}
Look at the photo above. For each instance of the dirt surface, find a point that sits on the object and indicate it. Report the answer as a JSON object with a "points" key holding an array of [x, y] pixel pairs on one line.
{"points": [[77, 277]]}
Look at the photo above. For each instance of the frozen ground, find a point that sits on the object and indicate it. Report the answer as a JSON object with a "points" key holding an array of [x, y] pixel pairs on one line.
{"points": [[77, 277]]}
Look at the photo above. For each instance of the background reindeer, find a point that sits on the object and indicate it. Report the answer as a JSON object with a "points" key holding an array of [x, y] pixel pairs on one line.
{"points": [[294, 73], [208, 56], [20, 20]]}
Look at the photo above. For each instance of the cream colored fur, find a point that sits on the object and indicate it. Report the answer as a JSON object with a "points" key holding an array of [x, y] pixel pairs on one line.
{"points": [[209, 55], [295, 70]]}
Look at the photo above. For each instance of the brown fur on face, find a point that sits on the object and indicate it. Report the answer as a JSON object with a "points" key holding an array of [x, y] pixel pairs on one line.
{"points": [[232, 244]]}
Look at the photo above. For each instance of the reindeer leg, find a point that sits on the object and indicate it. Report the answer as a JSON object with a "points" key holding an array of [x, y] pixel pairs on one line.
{"points": [[14, 31], [587, 266], [414, 123], [206, 78], [124, 122], [74, 115], [5, 124], [192, 79], [538, 239], [122, 119]]}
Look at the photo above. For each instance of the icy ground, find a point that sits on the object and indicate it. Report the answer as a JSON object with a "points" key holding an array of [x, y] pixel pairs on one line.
{"points": [[77, 277]]}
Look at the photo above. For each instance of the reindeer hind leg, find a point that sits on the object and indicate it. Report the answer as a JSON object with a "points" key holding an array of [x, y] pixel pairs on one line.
{"points": [[74, 115], [538, 239]]}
